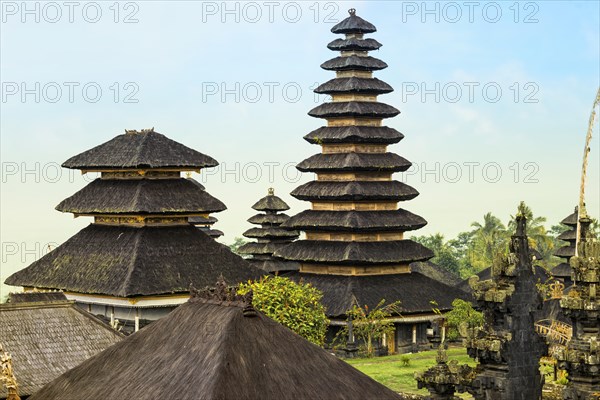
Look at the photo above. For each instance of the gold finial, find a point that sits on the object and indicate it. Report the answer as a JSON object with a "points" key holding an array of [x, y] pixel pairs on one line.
{"points": [[188, 174], [352, 12], [556, 290], [7, 376], [271, 192]]}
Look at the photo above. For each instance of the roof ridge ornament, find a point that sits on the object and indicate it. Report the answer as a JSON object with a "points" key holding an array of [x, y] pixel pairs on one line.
{"points": [[7, 375], [271, 192], [224, 295], [352, 12], [136, 132]]}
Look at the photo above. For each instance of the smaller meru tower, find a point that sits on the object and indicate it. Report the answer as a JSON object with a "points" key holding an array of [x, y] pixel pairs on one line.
{"points": [[139, 256], [270, 236], [563, 270]]}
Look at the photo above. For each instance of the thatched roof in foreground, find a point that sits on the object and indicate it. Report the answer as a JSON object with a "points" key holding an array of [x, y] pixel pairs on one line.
{"points": [[354, 134], [30, 297], [141, 196], [140, 150], [129, 261], [436, 272], [354, 162], [354, 109], [213, 351], [355, 191], [356, 221], [367, 44], [355, 253], [46, 339], [273, 265], [413, 290]]}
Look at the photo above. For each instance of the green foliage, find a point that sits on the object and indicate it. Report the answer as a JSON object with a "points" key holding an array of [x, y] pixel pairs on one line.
{"points": [[237, 243], [294, 305], [370, 324], [405, 360], [446, 256], [462, 315]]}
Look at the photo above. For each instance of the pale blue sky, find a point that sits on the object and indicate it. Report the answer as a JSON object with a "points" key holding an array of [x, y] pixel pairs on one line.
{"points": [[177, 52]]}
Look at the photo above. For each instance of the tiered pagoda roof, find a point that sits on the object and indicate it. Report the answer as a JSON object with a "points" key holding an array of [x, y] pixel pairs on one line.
{"points": [[563, 270], [204, 223], [141, 242], [270, 236], [355, 245]]}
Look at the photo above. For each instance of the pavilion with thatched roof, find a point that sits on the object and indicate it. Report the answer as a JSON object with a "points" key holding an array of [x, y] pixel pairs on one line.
{"points": [[355, 250], [216, 346], [137, 259], [270, 236]]}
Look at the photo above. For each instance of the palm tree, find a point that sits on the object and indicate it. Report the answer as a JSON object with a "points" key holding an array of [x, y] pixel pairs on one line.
{"points": [[487, 239]]}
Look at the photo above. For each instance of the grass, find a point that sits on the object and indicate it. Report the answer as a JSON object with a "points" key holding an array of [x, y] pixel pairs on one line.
{"points": [[391, 372]]}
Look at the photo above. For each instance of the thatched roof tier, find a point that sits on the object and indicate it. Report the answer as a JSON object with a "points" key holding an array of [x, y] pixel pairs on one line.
{"points": [[354, 134], [198, 184], [355, 253], [566, 251], [562, 270], [357, 221], [571, 220], [48, 338], [354, 24], [435, 272], [270, 203], [329, 162], [30, 297], [139, 196], [205, 351], [354, 109], [268, 219], [354, 85], [270, 233], [259, 248], [355, 191], [129, 261], [354, 44], [273, 265], [568, 235], [140, 150], [414, 291], [202, 220], [357, 63]]}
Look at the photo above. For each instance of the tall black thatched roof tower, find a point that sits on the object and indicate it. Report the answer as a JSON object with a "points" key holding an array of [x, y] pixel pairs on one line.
{"points": [[564, 270], [141, 252], [355, 249], [270, 236]]}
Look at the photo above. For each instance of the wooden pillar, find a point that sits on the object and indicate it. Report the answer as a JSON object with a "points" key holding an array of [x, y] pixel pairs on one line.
{"points": [[112, 316], [414, 334], [443, 333], [137, 319]]}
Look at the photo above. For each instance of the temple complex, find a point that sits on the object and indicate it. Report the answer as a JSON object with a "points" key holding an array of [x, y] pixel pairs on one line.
{"points": [[270, 236], [355, 249], [137, 259]]}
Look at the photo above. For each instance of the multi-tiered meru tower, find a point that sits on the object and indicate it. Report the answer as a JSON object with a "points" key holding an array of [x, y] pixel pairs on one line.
{"points": [[138, 258], [355, 248], [563, 270], [270, 236]]}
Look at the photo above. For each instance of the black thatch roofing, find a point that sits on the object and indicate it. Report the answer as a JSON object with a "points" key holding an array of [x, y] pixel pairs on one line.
{"points": [[46, 339], [268, 219], [202, 220], [212, 351], [30, 297], [562, 270], [356, 221], [354, 85], [129, 261], [270, 233], [565, 251], [273, 265], [414, 291], [571, 220], [354, 24], [354, 109], [259, 248], [270, 203], [355, 253], [435, 272], [366, 63], [354, 44], [355, 191], [540, 275], [140, 150], [568, 235], [355, 162], [354, 134], [138, 196]]}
